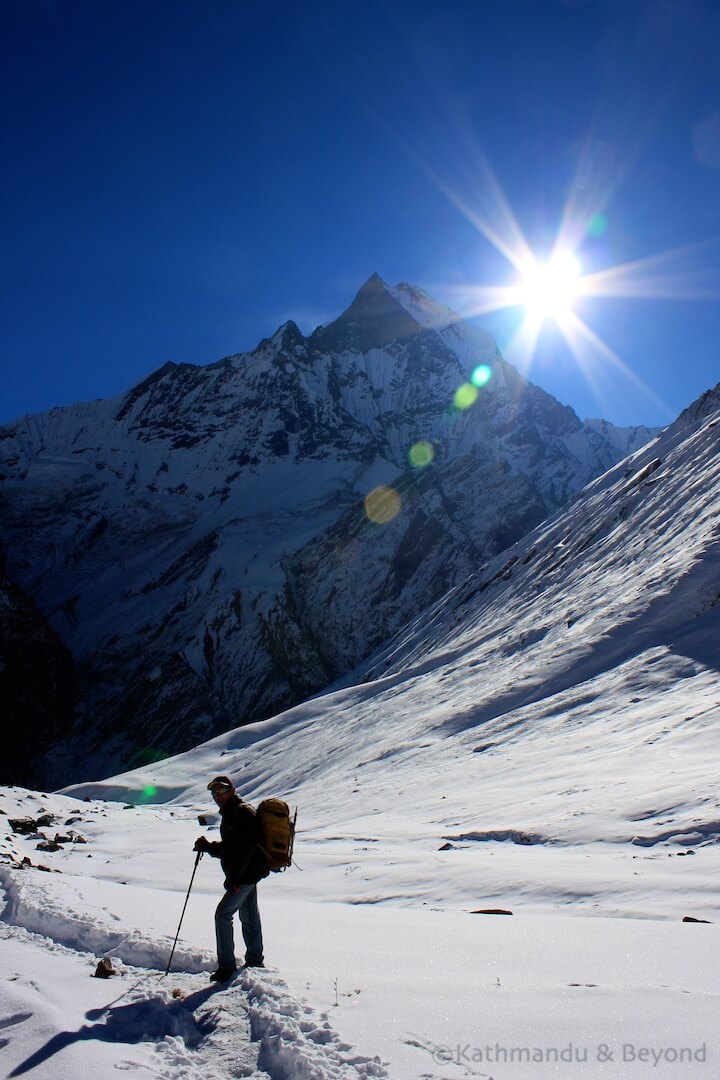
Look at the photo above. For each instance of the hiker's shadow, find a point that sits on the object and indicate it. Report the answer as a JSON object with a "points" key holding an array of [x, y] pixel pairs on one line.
{"points": [[140, 1021]]}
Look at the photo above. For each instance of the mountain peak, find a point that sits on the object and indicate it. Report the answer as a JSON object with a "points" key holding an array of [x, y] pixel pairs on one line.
{"points": [[374, 280], [373, 320], [289, 334]]}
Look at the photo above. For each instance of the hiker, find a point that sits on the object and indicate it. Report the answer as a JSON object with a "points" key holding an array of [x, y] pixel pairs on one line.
{"points": [[244, 865]]}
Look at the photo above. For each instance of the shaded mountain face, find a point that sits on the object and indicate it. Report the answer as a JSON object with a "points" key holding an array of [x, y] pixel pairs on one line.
{"points": [[38, 685], [203, 544], [374, 319]]}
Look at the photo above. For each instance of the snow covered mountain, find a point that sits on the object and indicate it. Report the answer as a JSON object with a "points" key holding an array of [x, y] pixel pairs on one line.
{"points": [[203, 545], [542, 742], [564, 697]]}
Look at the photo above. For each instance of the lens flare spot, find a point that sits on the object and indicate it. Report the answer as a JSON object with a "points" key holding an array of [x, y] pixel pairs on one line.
{"points": [[382, 505], [481, 375], [597, 225], [148, 792], [421, 454], [465, 396]]}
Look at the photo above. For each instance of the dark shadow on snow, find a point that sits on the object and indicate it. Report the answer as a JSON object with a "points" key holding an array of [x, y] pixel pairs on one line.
{"points": [[138, 1022]]}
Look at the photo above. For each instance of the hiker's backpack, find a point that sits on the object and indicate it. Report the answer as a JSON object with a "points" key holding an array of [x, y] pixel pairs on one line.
{"points": [[277, 830]]}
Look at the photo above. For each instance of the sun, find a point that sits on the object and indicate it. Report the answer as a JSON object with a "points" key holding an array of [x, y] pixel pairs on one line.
{"points": [[549, 290]]}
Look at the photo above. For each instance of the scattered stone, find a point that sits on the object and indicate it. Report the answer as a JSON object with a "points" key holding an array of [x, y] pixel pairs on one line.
{"points": [[691, 918], [104, 970], [11, 858], [73, 820], [25, 825], [48, 845], [447, 847], [60, 839], [491, 911], [45, 820]]}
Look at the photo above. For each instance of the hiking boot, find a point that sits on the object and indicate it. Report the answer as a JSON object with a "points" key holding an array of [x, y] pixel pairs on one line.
{"points": [[222, 974], [253, 964]]}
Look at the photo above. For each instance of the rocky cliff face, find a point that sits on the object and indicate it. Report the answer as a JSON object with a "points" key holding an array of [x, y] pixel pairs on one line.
{"points": [[205, 546]]}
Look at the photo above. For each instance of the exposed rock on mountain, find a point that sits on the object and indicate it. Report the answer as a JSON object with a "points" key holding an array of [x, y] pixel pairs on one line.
{"points": [[203, 545]]}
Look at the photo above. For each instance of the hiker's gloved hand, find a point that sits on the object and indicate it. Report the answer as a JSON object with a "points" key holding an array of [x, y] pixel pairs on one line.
{"points": [[201, 844]]}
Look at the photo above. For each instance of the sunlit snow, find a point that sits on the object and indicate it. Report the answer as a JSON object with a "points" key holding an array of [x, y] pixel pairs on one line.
{"points": [[543, 742]]}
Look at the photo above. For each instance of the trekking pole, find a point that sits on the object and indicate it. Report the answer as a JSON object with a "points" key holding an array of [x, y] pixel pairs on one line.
{"points": [[197, 860]]}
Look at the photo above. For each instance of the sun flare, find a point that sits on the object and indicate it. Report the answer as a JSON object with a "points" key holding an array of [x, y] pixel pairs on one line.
{"points": [[548, 290]]}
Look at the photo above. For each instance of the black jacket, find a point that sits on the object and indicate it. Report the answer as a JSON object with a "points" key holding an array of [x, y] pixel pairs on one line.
{"points": [[238, 850]]}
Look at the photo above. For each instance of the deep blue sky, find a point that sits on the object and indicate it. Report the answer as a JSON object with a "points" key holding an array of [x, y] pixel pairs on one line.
{"points": [[181, 177]]}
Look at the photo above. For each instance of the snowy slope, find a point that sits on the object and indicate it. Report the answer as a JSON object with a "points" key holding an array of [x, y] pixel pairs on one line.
{"points": [[351, 991], [544, 741], [201, 543], [576, 676], [626, 439]]}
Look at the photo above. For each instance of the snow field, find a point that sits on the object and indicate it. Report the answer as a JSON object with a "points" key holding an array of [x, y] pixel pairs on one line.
{"points": [[357, 989], [61, 923]]}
